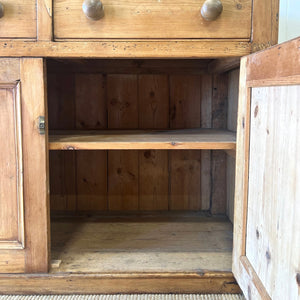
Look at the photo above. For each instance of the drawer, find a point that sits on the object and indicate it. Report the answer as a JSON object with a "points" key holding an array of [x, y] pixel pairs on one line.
{"points": [[19, 19], [152, 19]]}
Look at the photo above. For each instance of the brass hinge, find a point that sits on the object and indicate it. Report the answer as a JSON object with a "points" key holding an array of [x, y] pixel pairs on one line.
{"points": [[41, 125]]}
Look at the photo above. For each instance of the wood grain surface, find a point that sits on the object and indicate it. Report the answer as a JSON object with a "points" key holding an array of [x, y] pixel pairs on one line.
{"points": [[147, 101], [144, 19]]}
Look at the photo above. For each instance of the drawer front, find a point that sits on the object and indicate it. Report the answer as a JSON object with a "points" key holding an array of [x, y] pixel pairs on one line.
{"points": [[19, 19], [152, 19]]}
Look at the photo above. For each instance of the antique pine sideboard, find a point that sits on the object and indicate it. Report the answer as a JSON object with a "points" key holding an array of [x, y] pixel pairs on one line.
{"points": [[126, 159]]}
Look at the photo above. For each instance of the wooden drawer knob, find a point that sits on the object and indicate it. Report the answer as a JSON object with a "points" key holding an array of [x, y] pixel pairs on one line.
{"points": [[211, 9], [1, 10], [93, 9]]}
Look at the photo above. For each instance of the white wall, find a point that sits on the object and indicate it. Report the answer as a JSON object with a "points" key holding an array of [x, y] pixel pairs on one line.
{"points": [[289, 20]]}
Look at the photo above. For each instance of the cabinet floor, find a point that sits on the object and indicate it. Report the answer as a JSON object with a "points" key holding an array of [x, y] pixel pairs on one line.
{"points": [[187, 242]]}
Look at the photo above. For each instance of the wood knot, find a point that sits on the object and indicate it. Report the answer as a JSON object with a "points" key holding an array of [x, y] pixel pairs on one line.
{"points": [[249, 293], [147, 154], [298, 278], [255, 111], [152, 94], [268, 255], [257, 234]]}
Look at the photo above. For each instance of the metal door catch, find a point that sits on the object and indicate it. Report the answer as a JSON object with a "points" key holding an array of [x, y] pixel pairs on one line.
{"points": [[42, 125]]}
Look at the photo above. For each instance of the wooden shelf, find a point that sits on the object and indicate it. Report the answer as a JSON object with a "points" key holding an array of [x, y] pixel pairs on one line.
{"points": [[142, 139]]}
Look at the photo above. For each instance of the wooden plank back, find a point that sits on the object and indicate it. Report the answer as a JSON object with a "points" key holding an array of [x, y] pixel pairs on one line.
{"points": [[135, 94]]}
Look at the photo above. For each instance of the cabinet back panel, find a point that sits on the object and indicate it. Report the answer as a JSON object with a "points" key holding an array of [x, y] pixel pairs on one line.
{"points": [[157, 95]]}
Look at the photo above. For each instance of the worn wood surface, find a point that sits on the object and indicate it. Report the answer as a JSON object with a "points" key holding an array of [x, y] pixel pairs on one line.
{"points": [[270, 67], [140, 19], [232, 106], [273, 230], [219, 120], [127, 49], [24, 185], [11, 186], [142, 139], [244, 278], [19, 20], [153, 164], [206, 122], [185, 112], [35, 159], [86, 283], [91, 166], [10, 70], [267, 239], [174, 96], [264, 24], [11, 163], [123, 166], [223, 65], [44, 20], [151, 242]]}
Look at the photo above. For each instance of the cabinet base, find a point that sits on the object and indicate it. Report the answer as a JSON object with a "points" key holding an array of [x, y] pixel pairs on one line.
{"points": [[84, 283]]}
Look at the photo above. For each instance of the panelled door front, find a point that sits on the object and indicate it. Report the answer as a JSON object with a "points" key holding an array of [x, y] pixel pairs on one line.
{"points": [[266, 258], [23, 167]]}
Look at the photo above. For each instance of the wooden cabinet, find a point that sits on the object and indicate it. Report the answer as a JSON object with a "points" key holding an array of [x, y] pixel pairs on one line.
{"points": [[18, 19], [169, 170], [152, 20]]}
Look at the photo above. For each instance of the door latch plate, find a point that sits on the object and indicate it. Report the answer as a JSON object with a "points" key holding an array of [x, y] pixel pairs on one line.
{"points": [[41, 125]]}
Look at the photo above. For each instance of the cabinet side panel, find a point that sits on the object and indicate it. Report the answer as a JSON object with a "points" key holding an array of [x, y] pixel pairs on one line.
{"points": [[232, 105], [273, 230], [206, 118]]}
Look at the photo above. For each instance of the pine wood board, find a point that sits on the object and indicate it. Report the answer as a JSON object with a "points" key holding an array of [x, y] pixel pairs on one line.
{"points": [[142, 244], [19, 20], [273, 230], [218, 158], [148, 19], [127, 49], [140, 139], [134, 297], [232, 106], [86, 283]]}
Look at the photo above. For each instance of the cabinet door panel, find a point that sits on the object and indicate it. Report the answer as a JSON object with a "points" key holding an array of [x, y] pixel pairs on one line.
{"points": [[266, 254], [11, 184], [23, 165]]}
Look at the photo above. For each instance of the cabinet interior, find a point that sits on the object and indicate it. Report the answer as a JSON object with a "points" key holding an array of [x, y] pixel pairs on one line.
{"points": [[142, 164]]}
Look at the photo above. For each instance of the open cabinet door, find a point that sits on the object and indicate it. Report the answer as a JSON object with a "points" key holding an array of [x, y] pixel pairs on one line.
{"points": [[266, 255], [23, 167]]}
